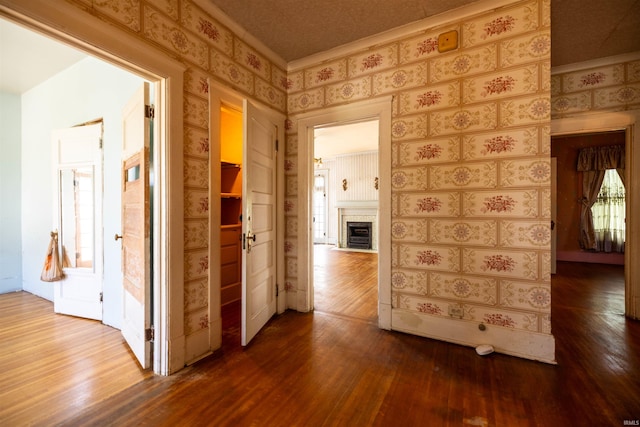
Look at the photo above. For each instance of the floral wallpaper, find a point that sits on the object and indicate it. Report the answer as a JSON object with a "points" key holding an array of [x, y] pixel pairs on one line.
{"points": [[209, 50], [470, 164], [611, 87]]}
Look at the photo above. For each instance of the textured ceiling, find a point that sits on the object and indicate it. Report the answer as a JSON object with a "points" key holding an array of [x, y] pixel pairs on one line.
{"points": [[293, 29]]}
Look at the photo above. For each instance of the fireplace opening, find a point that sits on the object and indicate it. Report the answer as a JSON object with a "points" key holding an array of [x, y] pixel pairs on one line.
{"points": [[359, 235]]}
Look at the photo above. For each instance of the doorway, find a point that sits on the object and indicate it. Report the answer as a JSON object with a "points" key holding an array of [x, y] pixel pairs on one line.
{"points": [[246, 181], [105, 43], [565, 151], [605, 122], [380, 110], [344, 193]]}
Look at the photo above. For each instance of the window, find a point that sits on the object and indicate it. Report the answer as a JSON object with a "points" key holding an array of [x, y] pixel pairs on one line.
{"points": [[609, 214]]}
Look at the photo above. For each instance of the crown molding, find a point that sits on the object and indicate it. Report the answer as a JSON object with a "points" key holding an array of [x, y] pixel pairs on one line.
{"points": [[432, 22], [595, 63], [240, 32]]}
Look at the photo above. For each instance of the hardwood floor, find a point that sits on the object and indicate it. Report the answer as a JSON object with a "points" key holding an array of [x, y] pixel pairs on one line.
{"points": [[325, 368], [55, 366], [345, 282]]}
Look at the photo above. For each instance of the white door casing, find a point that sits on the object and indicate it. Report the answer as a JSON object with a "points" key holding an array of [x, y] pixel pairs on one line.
{"points": [[379, 109], [603, 122], [221, 96], [136, 227], [554, 213], [77, 182], [259, 252], [69, 24]]}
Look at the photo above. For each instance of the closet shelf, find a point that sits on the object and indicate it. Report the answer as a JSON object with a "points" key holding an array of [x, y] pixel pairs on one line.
{"points": [[230, 226], [231, 195], [228, 165]]}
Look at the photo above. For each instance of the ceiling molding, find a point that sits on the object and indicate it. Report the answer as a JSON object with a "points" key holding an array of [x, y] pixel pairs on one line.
{"points": [[595, 63], [432, 22], [240, 32]]}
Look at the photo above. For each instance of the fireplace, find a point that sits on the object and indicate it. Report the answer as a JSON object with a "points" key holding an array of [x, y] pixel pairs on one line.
{"points": [[359, 235]]}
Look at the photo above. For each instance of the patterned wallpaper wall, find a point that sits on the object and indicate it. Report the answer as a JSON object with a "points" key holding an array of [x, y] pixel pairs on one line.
{"points": [[209, 50], [611, 87], [470, 151], [470, 165]]}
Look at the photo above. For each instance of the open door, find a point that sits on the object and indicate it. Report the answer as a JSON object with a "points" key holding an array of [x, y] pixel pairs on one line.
{"points": [[77, 180], [136, 227], [259, 222]]}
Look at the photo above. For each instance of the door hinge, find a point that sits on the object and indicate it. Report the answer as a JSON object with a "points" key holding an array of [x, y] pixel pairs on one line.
{"points": [[149, 334], [277, 144], [101, 297], [277, 290], [149, 111]]}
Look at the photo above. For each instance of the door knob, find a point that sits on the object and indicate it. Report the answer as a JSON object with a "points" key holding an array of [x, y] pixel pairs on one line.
{"points": [[246, 241], [118, 236]]}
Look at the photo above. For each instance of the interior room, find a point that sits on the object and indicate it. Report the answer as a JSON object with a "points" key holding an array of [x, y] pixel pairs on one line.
{"points": [[345, 205], [452, 270]]}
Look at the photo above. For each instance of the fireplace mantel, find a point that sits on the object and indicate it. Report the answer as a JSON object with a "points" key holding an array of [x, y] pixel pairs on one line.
{"points": [[355, 204], [357, 211]]}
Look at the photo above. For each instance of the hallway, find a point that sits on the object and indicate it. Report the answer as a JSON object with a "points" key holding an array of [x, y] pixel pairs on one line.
{"points": [[323, 368]]}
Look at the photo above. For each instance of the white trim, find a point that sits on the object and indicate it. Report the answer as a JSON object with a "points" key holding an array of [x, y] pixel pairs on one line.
{"points": [[601, 122], [222, 95], [595, 63], [240, 32], [523, 344], [69, 24], [445, 18], [356, 204], [381, 109], [218, 95]]}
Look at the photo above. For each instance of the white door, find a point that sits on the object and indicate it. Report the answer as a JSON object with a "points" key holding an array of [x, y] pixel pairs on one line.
{"points": [[259, 222], [136, 227], [77, 181]]}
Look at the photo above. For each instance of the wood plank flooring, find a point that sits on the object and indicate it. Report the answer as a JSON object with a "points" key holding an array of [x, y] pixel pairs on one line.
{"points": [[55, 366], [345, 282], [328, 369]]}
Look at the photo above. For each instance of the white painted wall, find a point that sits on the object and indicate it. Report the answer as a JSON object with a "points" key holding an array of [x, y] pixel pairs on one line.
{"points": [[360, 170], [86, 91], [10, 243]]}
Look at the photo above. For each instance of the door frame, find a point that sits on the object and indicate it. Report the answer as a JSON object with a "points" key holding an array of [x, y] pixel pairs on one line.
{"points": [[627, 121], [380, 109], [72, 26], [219, 95]]}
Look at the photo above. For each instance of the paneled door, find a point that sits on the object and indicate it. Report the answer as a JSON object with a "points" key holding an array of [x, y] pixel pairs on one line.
{"points": [[136, 227], [77, 154], [259, 222]]}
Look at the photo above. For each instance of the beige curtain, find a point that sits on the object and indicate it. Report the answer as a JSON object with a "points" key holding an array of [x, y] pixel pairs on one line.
{"points": [[593, 162], [609, 213]]}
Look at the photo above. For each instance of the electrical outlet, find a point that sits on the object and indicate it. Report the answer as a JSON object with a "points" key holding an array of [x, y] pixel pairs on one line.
{"points": [[448, 41], [456, 311]]}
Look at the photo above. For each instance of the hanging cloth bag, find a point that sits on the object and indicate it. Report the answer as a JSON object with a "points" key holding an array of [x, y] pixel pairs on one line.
{"points": [[52, 270]]}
